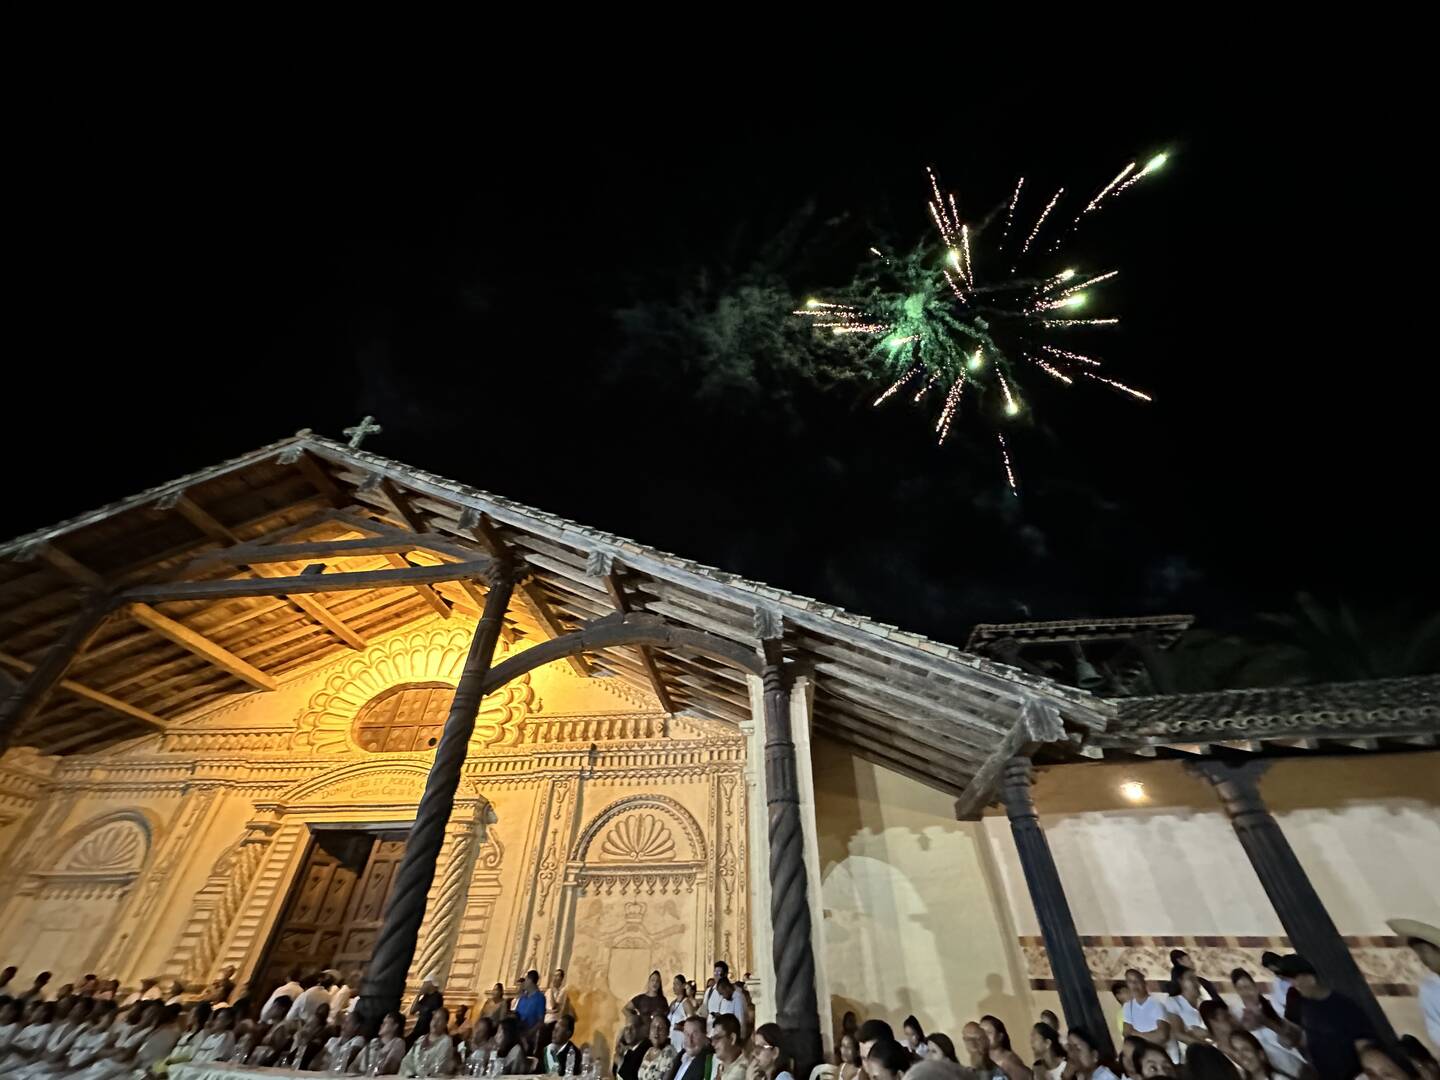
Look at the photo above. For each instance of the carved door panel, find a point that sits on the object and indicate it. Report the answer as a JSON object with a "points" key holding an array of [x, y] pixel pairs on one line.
{"points": [[310, 931], [367, 906]]}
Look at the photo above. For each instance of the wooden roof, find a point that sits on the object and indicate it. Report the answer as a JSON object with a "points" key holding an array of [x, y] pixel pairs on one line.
{"points": [[926, 709]]}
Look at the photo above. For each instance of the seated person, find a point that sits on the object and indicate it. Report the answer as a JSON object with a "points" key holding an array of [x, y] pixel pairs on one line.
{"points": [[561, 1058]]}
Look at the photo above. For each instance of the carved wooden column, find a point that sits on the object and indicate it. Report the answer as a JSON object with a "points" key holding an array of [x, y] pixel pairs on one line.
{"points": [[395, 947], [1062, 944], [795, 1005], [449, 902], [1308, 925]]}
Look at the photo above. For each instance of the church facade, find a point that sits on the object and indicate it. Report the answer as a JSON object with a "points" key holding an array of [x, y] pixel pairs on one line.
{"points": [[223, 698]]}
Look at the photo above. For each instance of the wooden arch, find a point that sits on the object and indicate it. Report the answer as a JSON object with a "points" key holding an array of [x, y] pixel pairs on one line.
{"points": [[615, 630]]}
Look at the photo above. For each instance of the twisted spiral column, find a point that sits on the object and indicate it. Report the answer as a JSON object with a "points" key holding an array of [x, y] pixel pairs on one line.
{"points": [[395, 947], [435, 954], [796, 1007]]}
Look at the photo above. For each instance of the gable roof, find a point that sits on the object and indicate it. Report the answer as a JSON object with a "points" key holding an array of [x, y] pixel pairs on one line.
{"points": [[922, 707]]}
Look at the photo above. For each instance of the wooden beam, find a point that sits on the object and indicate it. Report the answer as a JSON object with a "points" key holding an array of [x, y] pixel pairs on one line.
{"points": [[1039, 723], [320, 479], [207, 523], [114, 704], [647, 659], [349, 581], [30, 698], [401, 502], [425, 592], [253, 554], [180, 634], [71, 567], [529, 592]]}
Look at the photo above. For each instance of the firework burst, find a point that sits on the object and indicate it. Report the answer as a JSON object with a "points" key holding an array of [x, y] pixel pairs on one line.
{"points": [[965, 314]]}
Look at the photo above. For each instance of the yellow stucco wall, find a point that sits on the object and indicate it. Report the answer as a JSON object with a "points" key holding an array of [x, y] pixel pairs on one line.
{"points": [[914, 918]]}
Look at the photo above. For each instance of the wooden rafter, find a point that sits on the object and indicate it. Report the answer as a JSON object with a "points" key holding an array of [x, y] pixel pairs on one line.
{"points": [[30, 698], [403, 506], [533, 597], [647, 659], [425, 592], [114, 704], [312, 607], [180, 634], [348, 581]]}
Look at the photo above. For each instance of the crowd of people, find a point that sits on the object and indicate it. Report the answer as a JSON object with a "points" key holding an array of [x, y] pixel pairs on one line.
{"points": [[1300, 1029]]}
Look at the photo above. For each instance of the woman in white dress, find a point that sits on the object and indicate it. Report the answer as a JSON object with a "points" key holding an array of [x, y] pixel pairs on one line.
{"points": [[434, 1052]]}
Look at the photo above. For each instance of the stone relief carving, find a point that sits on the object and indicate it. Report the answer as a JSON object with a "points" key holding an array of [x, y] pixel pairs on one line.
{"points": [[434, 655], [665, 810], [114, 848], [638, 838]]}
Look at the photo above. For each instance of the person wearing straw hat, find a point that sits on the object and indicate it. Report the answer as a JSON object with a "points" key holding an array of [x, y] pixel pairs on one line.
{"points": [[1425, 940]]}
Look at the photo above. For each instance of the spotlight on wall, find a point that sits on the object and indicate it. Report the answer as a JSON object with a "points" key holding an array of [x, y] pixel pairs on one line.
{"points": [[1132, 791]]}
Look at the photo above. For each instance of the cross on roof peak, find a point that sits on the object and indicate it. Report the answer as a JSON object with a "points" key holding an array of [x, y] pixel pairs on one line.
{"points": [[359, 431]]}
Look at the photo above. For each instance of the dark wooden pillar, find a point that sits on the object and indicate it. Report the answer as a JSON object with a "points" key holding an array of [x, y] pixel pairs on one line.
{"points": [[1078, 999], [395, 947], [28, 698], [1312, 934], [795, 1004]]}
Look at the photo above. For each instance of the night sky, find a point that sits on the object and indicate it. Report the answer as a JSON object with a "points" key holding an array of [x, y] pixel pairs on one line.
{"points": [[202, 283]]}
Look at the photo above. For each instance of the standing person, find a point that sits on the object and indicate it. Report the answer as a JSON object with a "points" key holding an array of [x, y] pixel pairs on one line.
{"points": [[914, 1037], [681, 1009], [290, 989], [1083, 1060], [1279, 994], [1049, 1052], [557, 1004], [495, 1006], [433, 1053], [1424, 939], [660, 1055], [1120, 989], [530, 1005], [849, 1054], [725, 999], [1145, 1014], [1184, 1007], [1180, 962], [696, 1060], [1333, 1025], [731, 1061], [315, 994], [426, 1002], [769, 1059], [562, 1058], [653, 1000]]}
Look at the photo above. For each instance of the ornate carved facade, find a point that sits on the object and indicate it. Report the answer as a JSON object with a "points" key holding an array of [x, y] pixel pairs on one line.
{"points": [[590, 831]]}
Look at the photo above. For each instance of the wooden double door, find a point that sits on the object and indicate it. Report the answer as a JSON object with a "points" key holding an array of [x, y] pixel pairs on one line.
{"points": [[336, 906]]}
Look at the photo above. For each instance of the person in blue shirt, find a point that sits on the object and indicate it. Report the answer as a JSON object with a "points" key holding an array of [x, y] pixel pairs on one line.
{"points": [[530, 1005]]}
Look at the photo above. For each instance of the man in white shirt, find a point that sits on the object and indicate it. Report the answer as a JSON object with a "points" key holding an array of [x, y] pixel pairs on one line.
{"points": [[291, 989], [315, 994], [1425, 940], [341, 997], [725, 998], [1145, 1014]]}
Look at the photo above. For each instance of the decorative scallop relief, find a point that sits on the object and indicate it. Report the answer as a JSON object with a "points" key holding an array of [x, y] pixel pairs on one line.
{"points": [[116, 848], [435, 655], [638, 838]]}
